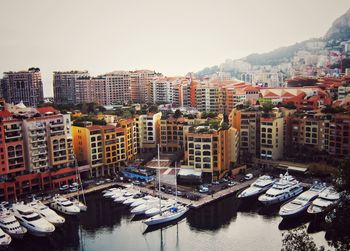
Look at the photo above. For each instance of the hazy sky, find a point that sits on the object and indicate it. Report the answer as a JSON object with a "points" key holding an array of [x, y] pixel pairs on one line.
{"points": [[172, 37]]}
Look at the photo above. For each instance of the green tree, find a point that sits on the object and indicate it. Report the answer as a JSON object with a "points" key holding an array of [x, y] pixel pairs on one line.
{"points": [[177, 114], [298, 239]]}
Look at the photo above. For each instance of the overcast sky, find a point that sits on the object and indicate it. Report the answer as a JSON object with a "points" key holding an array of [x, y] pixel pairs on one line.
{"points": [[172, 37]]}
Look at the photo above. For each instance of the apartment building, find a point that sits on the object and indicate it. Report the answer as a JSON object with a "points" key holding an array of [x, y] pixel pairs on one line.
{"points": [[98, 146], [337, 135], [23, 86], [272, 135], [148, 128], [172, 134], [91, 90], [130, 137], [213, 152], [36, 150], [247, 123], [64, 86], [118, 87], [140, 85], [163, 90]]}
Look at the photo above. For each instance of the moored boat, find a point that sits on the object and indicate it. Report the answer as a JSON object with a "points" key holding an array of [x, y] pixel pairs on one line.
{"points": [[285, 188], [300, 204], [324, 202], [261, 185]]}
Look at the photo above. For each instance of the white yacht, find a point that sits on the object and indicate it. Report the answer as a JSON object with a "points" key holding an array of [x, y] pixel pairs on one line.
{"points": [[261, 185], [141, 209], [302, 202], [169, 212], [324, 201], [64, 205], [110, 192], [165, 205], [5, 239], [132, 199], [142, 200], [125, 195], [78, 203], [10, 224], [50, 215], [31, 220], [285, 188]]}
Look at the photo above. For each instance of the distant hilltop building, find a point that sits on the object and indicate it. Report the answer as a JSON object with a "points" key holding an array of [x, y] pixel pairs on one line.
{"points": [[23, 86]]}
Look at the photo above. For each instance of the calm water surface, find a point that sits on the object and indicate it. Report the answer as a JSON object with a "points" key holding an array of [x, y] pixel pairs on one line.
{"points": [[225, 225]]}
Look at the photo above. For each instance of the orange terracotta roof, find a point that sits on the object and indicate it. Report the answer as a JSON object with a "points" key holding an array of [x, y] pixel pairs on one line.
{"points": [[5, 114], [270, 94], [44, 110]]}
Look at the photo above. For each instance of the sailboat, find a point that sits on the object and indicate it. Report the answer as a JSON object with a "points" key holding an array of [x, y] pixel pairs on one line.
{"points": [[173, 213], [76, 201]]}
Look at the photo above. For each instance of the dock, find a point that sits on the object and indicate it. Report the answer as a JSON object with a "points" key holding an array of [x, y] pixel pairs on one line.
{"points": [[204, 200]]}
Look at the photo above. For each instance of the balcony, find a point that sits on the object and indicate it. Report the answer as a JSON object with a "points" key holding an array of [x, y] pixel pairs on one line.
{"points": [[35, 147], [11, 136], [35, 140], [36, 153], [12, 129], [34, 134]]}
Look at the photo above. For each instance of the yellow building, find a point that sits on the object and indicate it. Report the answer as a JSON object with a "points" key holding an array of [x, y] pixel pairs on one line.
{"points": [[247, 122], [172, 134], [97, 146], [271, 135], [130, 139], [213, 152]]}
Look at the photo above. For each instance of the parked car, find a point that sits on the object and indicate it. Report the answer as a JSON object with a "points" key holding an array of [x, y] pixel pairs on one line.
{"points": [[179, 193], [73, 189], [215, 182], [232, 183], [136, 182], [63, 188], [203, 189], [248, 176]]}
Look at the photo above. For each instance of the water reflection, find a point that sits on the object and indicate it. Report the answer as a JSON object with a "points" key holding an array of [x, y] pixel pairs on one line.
{"points": [[290, 223], [214, 216]]}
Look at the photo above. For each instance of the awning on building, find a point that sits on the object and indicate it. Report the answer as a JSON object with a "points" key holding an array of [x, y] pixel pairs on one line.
{"points": [[189, 172]]}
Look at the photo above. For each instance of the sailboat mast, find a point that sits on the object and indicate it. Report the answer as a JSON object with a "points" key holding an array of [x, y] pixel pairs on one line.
{"points": [[160, 203], [175, 186]]}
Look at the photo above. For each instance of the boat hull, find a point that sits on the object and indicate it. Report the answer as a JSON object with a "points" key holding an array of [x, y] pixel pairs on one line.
{"points": [[281, 198], [161, 220]]}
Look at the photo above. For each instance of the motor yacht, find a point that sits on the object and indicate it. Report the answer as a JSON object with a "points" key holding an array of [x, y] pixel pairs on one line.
{"points": [[141, 209], [78, 203], [10, 224], [5, 239], [132, 199], [110, 192], [64, 205], [300, 204], [125, 195], [142, 200], [285, 188], [46, 212], [325, 200], [261, 185], [31, 220]]}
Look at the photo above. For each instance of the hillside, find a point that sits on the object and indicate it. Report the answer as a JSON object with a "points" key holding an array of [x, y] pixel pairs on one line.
{"points": [[339, 31]]}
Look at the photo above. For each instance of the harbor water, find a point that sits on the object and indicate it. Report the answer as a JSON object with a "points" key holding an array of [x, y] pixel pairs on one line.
{"points": [[228, 224]]}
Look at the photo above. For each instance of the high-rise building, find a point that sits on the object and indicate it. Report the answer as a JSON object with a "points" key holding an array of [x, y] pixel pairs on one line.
{"points": [[148, 127], [272, 135], [140, 85], [23, 86], [36, 150], [118, 87], [101, 147], [247, 122], [211, 151], [64, 86]]}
